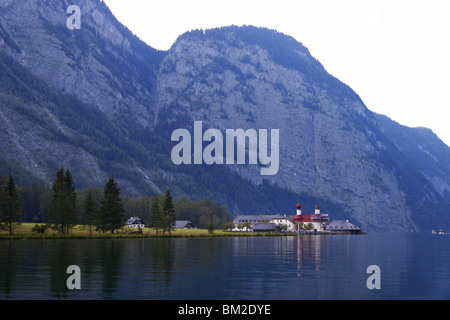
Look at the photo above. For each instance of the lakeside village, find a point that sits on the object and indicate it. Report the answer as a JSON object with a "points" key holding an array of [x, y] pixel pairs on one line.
{"points": [[315, 223]]}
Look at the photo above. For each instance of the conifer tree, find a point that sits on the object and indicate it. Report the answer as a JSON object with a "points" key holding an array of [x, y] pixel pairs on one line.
{"points": [[111, 213], [168, 210], [10, 212], [89, 213], [63, 209], [2, 201], [155, 215], [69, 188]]}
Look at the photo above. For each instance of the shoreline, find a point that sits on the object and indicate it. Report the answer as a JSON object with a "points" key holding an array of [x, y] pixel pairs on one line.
{"points": [[54, 236], [23, 231], [118, 236], [81, 232]]}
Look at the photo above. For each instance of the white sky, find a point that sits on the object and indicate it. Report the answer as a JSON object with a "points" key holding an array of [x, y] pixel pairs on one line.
{"points": [[394, 53]]}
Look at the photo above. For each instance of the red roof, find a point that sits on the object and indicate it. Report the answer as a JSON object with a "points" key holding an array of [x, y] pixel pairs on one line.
{"points": [[310, 218], [317, 207], [298, 206], [303, 218]]}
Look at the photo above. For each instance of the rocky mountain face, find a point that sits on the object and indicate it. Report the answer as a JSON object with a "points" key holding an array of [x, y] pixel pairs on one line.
{"points": [[70, 96], [102, 103], [428, 153]]}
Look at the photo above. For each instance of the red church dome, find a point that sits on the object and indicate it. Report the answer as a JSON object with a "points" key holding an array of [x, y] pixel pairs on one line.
{"points": [[299, 206], [317, 207]]}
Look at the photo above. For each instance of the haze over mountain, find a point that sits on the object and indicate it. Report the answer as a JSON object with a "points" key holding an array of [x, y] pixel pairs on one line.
{"points": [[102, 103]]}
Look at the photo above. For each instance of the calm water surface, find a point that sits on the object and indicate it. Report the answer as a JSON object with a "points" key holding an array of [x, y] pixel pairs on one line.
{"points": [[413, 266]]}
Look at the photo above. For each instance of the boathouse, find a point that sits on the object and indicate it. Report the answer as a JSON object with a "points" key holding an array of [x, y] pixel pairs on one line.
{"points": [[342, 226]]}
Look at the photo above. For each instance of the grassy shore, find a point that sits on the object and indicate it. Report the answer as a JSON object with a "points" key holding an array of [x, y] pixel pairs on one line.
{"points": [[23, 231]]}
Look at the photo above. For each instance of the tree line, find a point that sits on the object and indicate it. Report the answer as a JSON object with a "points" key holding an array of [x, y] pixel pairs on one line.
{"points": [[63, 213], [62, 206]]}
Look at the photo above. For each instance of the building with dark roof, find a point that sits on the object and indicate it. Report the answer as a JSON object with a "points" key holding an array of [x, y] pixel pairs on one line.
{"points": [[266, 227], [135, 222], [342, 226], [184, 224]]}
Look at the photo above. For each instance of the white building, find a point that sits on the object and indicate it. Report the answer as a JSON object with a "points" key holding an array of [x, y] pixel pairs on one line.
{"points": [[246, 222], [283, 221], [135, 222]]}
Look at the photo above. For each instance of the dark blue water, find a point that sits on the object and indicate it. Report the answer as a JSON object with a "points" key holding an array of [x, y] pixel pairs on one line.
{"points": [[412, 266]]}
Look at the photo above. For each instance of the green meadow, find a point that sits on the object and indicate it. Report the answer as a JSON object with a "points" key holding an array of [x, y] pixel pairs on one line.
{"points": [[23, 231]]}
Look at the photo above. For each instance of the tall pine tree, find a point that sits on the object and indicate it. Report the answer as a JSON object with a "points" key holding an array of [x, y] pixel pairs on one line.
{"points": [[63, 209], [71, 213], [168, 213], [111, 213], [155, 215], [89, 213], [2, 201], [10, 212]]}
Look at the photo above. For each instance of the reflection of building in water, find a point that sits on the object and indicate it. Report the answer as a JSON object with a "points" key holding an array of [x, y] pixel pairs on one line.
{"points": [[309, 254]]}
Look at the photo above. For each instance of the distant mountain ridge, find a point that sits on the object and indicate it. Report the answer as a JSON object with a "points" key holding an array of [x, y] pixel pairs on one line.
{"points": [[102, 103]]}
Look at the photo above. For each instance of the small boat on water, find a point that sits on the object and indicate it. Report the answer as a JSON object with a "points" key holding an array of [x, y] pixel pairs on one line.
{"points": [[439, 232]]}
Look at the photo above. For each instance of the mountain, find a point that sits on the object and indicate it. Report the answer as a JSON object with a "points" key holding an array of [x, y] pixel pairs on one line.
{"points": [[86, 98], [101, 102], [429, 153]]}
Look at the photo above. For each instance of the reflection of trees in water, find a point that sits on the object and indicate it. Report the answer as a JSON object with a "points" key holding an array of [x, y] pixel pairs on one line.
{"points": [[110, 259], [9, 262], [160, 259], [165, 254], [303, 267], [60, 254], [99, 262], [130, 267]]}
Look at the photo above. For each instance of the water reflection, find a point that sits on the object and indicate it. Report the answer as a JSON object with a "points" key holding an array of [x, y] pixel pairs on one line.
{"points": [[37, 269], [308, 252], [8, 268], [237, 268], [57, 267]]}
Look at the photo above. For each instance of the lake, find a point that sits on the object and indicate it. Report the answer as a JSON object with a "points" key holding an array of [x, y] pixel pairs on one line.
{"points": [[412, 266]]}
